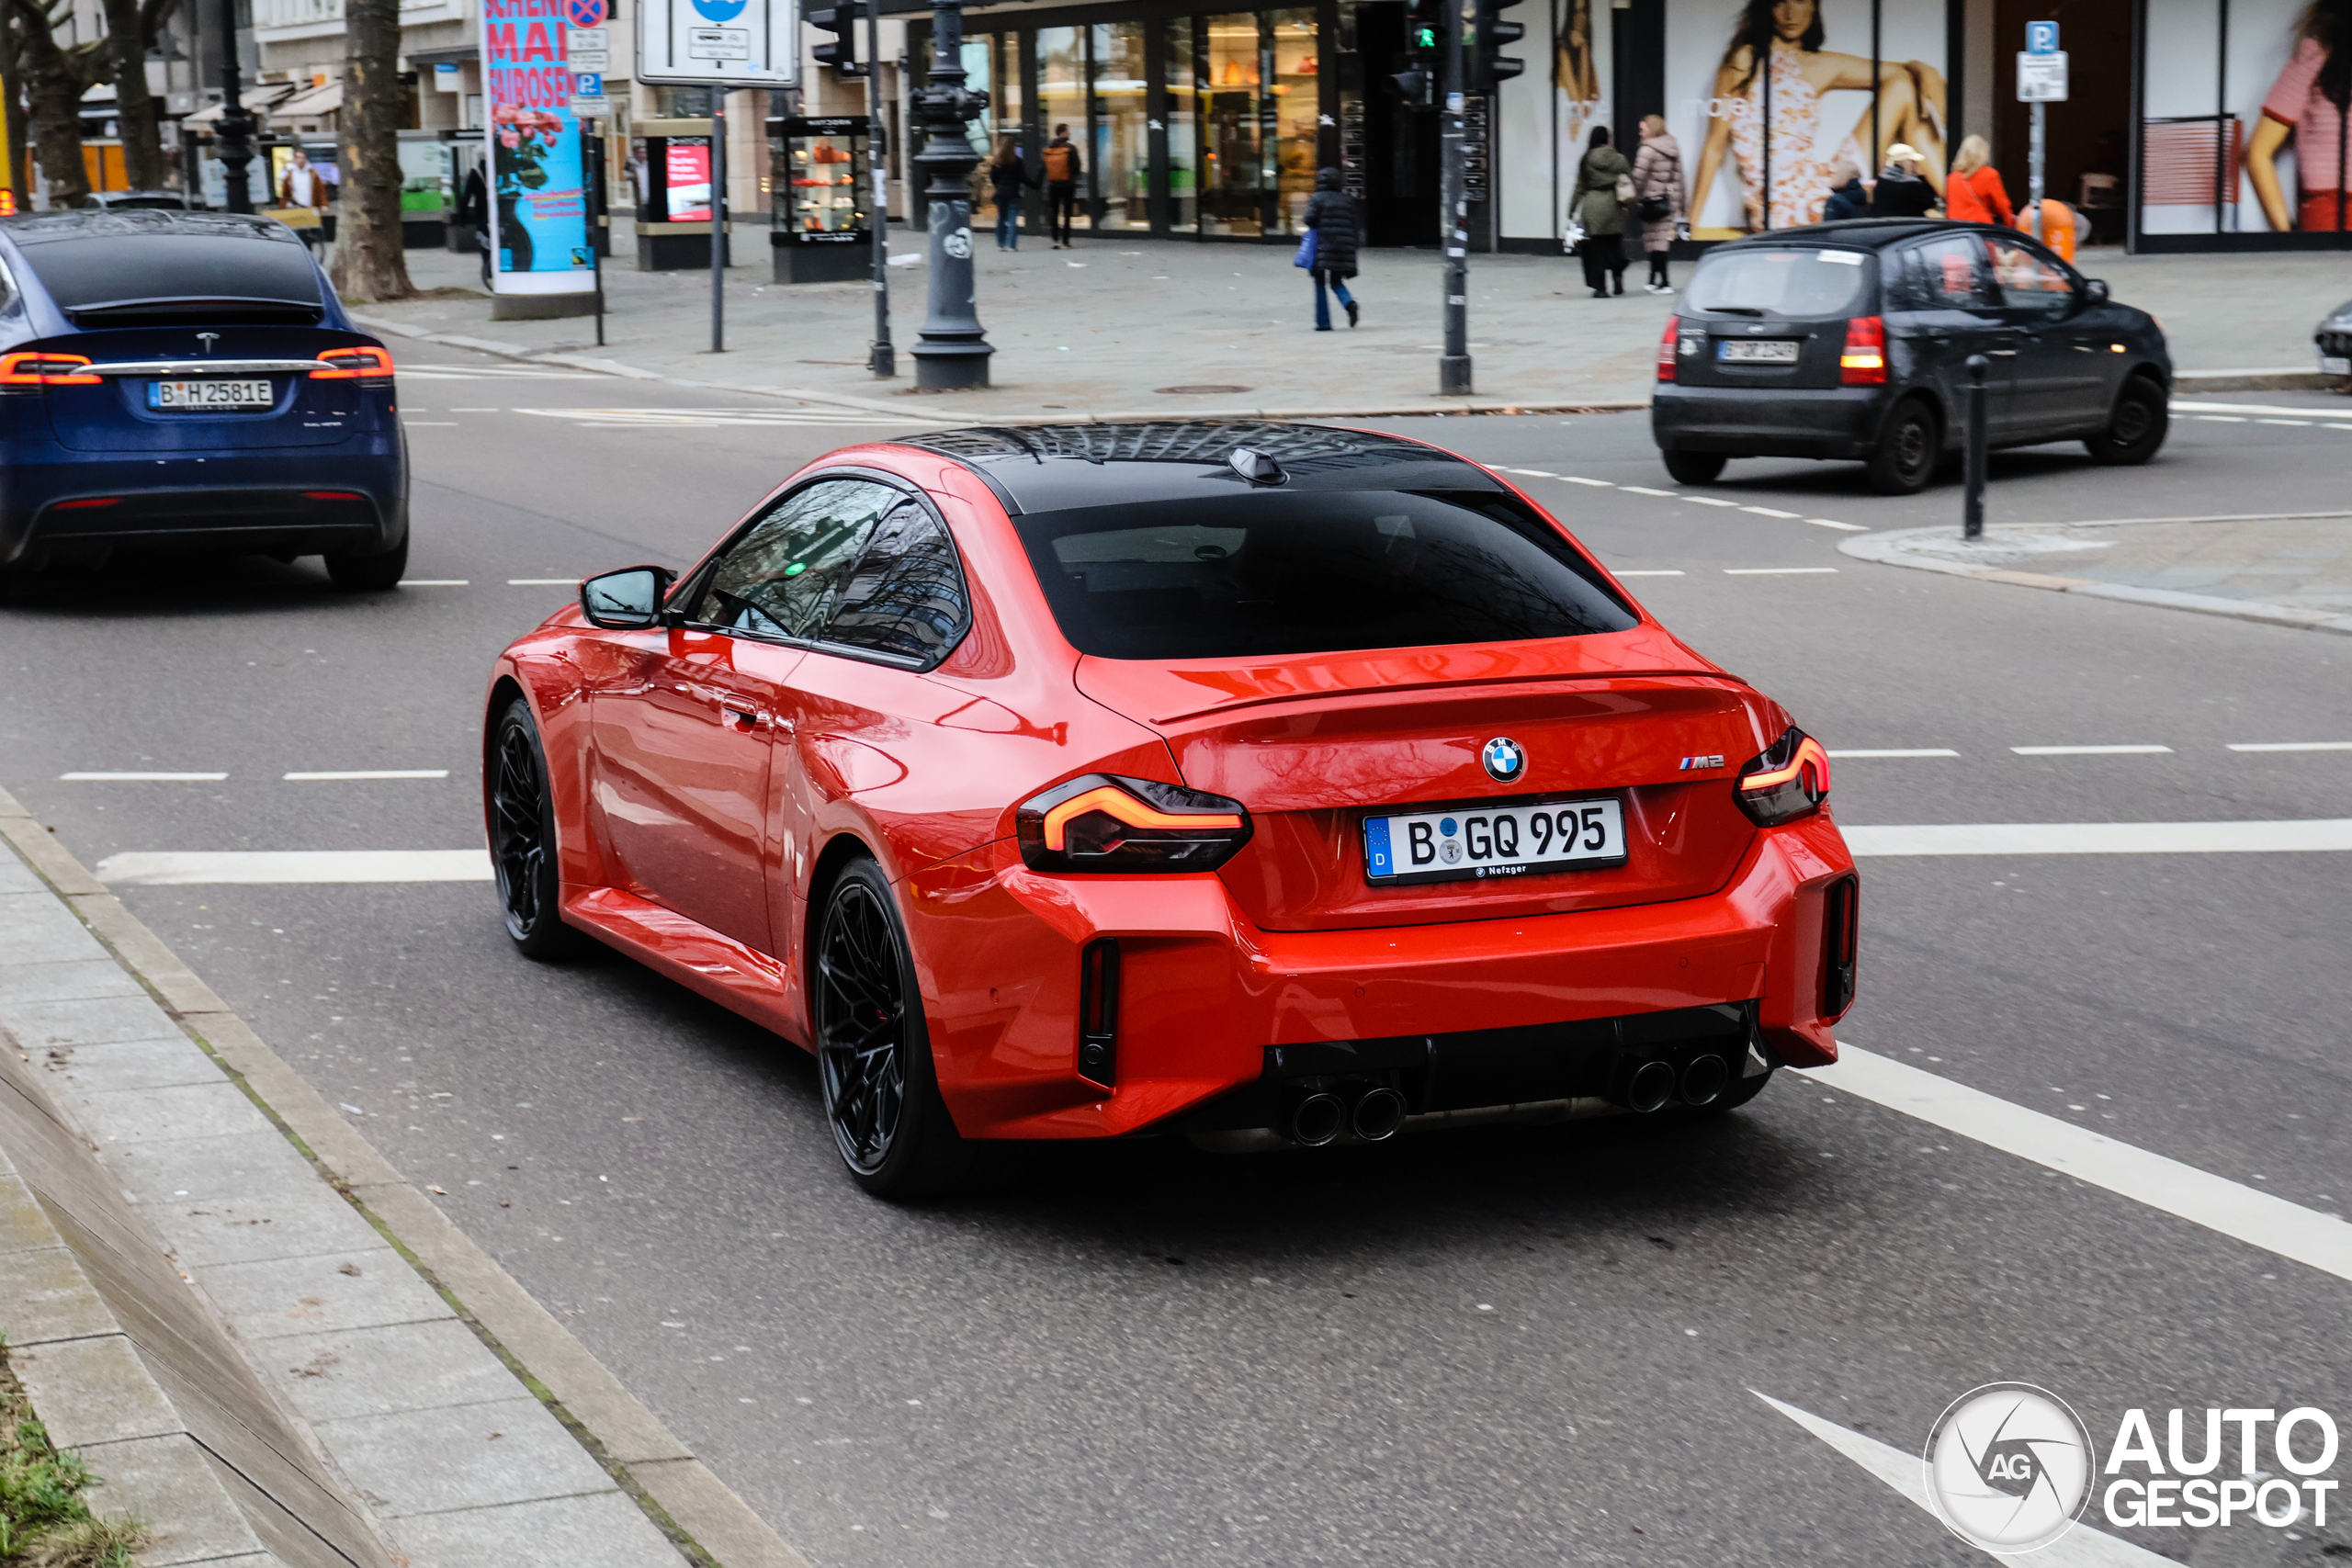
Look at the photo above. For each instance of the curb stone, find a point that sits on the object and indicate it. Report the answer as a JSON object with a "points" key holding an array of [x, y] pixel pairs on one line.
{"points": [[1890, 548], [231, 1098]]}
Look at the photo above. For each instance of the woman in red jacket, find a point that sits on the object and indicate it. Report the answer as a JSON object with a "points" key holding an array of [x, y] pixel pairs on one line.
{"points": [[1973, 193]]}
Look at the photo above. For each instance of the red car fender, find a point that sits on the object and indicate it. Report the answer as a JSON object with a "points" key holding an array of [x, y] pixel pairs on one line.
{"points": [[1800, 862], [541, 668]]}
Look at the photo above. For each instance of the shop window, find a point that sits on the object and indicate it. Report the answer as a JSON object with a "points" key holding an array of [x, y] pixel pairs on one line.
{"points": [[1121, 143], [1184, 130], [1297, 110], [1234, 183]]}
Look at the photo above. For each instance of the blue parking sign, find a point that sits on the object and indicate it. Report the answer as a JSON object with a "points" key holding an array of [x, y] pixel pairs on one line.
{"points": [[2042, 37], [588, 84]]}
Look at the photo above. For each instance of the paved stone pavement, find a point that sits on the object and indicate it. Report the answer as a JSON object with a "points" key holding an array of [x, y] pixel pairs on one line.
{"points": [[1108, 327]]}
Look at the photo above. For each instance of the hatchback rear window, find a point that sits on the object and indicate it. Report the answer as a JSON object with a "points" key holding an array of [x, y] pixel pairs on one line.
{"points": [[141, 276], [1781, 282], [1312, 572]]}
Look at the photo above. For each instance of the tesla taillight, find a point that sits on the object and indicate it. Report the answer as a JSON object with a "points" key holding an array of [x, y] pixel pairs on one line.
{"points": [[1098, 1012], [1841, 909], [1666, 345], [367, 364], [88, 501], [1788, 781], [1104, 822], [1863, 361], [45, 370]]}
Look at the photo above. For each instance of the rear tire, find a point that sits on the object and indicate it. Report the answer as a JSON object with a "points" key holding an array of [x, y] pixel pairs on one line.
{"points": [[522, 839], [874, 1062], [369, 574], [1694, 467], [2136, 430], [1908, 452]]}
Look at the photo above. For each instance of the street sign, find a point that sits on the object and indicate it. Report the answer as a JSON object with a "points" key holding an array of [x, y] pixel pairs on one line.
{"points": [[2042, 37], [588, 84], [596, 107], [588, 49], [2041, 78], [718, 43]]}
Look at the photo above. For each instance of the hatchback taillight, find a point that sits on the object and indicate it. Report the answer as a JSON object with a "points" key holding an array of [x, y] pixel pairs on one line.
{"points": [[363, 364], [1104, 822], [45, 370], [1789, 780], [1666, 345], [1863, 362]]}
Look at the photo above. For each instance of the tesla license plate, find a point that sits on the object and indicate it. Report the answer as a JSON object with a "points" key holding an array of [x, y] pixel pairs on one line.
{"points": [[200, 397], [1493, 840], [1743, 351]]}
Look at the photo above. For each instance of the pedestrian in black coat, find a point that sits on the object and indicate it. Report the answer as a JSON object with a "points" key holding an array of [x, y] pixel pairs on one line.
{"points": [[1848, 195], [1331, 214], [1901, 192]]}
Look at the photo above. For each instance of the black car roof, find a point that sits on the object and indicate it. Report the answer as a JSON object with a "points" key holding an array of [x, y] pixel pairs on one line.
{"points": [[93, 222], [1048, 467], [1863, 234]]}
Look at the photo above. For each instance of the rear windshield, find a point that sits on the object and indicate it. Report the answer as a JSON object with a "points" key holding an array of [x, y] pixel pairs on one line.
{"points": [[1791, 283], [1311, 572], [136, 269]]}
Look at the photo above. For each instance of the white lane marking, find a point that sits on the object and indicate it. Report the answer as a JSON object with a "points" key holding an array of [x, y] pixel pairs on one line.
{"points": [[2191, 406], [2221, 419], [367, 773], [1653, 574], [2310, 835], [156, 869], [2244, 1214], [2300, 423], [141, 778], [1602, 484], [1709, 501], [2339, 427], [542, 583], [422, 423], [2088, 751], [1532, 473], [1770, 511], [2292, 745], [492, 373], [2081, 1547], [1846, 527], [1779, 570], [1922, 751], [664, 419], [1644, 490], [474, 410], [435, 582]]}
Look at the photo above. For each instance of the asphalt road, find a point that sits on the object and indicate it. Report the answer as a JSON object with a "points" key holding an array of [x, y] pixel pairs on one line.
{"points": [[1527, 1348]]}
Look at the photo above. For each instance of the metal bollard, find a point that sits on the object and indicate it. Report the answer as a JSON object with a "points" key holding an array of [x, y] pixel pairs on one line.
{"points": [[1972, 518]]}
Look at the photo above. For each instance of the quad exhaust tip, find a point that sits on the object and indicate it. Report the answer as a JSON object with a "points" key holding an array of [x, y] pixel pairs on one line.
{"points": [[1650, 1088], [1704, 1079], [1318, 1119], [1378, 1115]]}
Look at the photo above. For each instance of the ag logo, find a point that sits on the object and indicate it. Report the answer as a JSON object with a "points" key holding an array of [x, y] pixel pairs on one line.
{"points": [[1503, 759], [2008, 1467]]}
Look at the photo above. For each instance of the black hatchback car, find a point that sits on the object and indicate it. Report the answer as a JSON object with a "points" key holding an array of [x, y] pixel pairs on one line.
{"points": [[1851, 340]]}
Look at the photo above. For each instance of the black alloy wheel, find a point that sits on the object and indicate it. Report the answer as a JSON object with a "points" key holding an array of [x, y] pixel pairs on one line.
{"points": [[873, 1049], [522, 837], [1907, 453], [1694, 467], [2135, 430]]}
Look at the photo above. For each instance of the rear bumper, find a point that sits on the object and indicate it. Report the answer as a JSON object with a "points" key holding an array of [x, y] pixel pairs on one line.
{"points": [[1832, 422], [351, 496], [1203, 994]]}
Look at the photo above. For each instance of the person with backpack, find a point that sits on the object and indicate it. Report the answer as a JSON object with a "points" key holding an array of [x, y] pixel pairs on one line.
{"points": [[1331, 221], [1063, 171], [1604, 191], [1661, 199]]}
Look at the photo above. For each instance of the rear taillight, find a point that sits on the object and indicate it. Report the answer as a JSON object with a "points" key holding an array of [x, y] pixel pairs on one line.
{"points": [[1098, 1012], [332, 495], [1666, 345], [1788, 781], [86, 500], [1103, 822], [1863, 363], [1841, 922], [366, 364], [45, 370]]}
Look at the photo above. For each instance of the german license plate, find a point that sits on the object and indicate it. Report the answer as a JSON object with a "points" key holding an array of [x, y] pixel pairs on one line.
{"points": [[197, 397], [2336, 365], [1493, 841], [1744, 351]]}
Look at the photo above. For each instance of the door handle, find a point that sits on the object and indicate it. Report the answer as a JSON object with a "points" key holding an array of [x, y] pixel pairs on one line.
{"points": [[738, 718]]}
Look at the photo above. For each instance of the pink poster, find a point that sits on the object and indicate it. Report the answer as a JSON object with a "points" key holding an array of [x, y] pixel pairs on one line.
{"points": [[687, 174]]}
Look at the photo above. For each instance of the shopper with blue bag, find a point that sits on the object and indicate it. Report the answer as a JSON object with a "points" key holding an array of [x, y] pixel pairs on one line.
{"points": [[1328, 250]]}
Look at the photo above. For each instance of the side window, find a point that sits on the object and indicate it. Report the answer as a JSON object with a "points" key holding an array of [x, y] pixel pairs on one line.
{"points": [[7, 291], [2029, 280], [907, 594], [780, 578], [1944, 274]]}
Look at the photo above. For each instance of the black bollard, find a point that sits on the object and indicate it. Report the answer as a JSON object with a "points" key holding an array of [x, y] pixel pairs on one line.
{"points": [[1973, 519]]}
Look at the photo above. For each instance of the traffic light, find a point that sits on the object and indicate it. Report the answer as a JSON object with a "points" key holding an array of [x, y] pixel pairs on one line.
{"points": [[1424, 46], [1488, 67], [840, 51]]}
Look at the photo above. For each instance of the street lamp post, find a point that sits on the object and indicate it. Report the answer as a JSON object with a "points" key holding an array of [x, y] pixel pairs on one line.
{"points": [[952, 351], [233, 139]]}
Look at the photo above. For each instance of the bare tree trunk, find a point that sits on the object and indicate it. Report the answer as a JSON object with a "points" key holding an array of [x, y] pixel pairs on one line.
{"points": [[53, 90], [134, 109], [369, 263], [12, 73]]}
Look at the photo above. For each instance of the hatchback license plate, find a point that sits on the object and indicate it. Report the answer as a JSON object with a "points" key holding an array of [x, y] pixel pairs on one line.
{"points": [[1771, 351], [1493, 840], [198, 397], [2336, 365]]}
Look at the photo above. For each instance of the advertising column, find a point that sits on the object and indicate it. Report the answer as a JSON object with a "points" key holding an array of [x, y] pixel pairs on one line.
{"points": [[541, 261]]}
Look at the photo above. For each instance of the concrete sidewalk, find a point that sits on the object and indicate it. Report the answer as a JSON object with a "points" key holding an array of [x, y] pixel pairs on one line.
{"points": [[1168, 328]]}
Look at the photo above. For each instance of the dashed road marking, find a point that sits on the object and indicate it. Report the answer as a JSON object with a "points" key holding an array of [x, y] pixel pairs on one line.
{"points": [[1771, 511], [1779, 570], [2088, 750], [1599, 484], [1709, 501], [288, 866], [2298, 424], [1843, 527], [2320, 835], [2220, 418], [436, 583], [2291, 745], [432, 423], [141, 778], [542, 583], [1915, 751], [751, 418], [357, 774], [1653, 574], [1644, 490]]}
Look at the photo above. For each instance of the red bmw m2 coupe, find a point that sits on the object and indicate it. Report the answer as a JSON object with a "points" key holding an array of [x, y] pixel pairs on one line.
{"points": [[1269, 784]]}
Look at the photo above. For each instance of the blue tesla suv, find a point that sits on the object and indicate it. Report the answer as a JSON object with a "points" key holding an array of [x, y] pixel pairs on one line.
{"points": [[187, 382]]}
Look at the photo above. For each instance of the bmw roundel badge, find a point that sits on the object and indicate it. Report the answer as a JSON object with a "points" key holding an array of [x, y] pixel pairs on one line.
{"points": [[1504, 759]]}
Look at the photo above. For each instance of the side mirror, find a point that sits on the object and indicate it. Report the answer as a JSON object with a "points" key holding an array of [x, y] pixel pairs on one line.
{"points": [[2095, 291], [626, 600]]}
